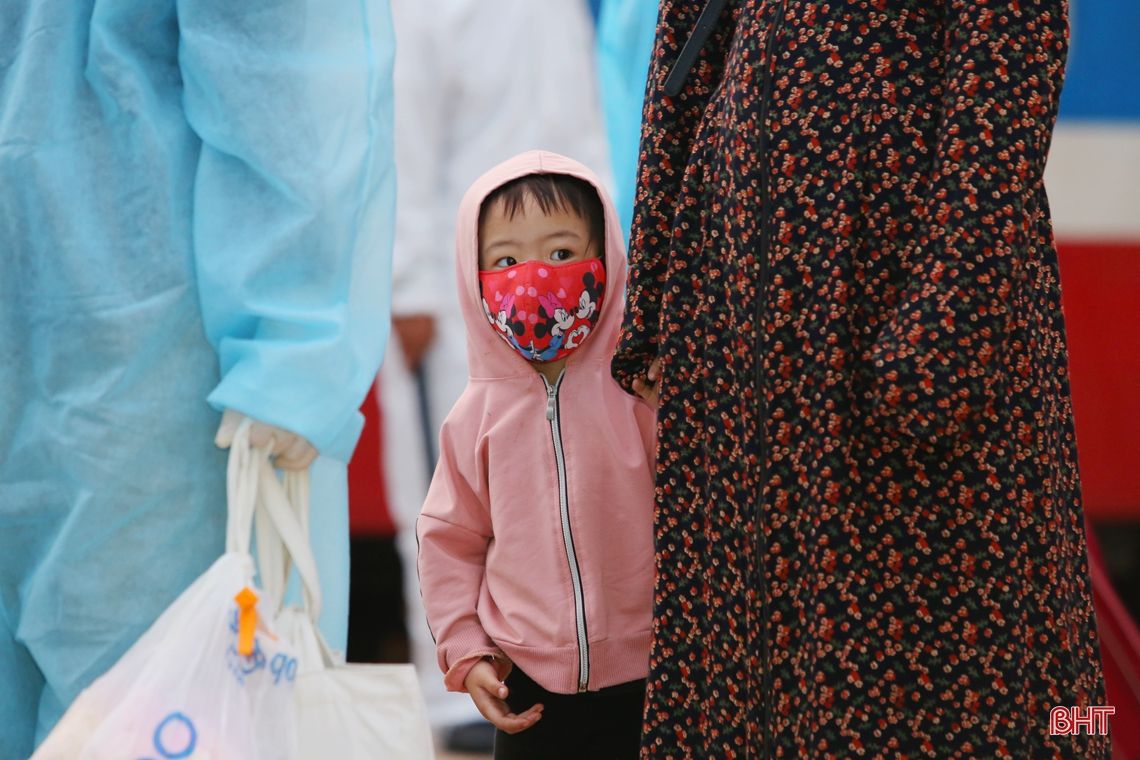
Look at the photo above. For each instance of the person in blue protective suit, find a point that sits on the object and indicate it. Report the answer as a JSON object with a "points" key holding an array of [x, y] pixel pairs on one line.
{"points": [[626, 30], [196, 204]]}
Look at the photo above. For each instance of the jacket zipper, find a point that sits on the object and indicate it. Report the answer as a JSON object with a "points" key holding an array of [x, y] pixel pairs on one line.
{"points": [[765, 245], [567, 535]]}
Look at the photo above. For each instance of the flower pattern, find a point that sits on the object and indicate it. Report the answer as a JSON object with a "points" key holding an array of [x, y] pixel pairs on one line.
{"points": [[869, 533]]}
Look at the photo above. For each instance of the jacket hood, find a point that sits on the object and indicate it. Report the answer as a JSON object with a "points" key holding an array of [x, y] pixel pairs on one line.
{"points": [[487, 355]]}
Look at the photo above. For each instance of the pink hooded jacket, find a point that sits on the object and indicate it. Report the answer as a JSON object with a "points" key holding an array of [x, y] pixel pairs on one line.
{"points": [[536, 538]]}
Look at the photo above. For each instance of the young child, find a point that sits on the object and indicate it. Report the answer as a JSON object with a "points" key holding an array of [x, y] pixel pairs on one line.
{"points": [[536, 546]]}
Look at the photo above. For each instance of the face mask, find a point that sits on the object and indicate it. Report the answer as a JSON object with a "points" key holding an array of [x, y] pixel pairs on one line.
{"points": [[544, 311]]}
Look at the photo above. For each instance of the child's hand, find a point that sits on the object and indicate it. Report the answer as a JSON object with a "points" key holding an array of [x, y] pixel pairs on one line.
{"points": [[648, 389], [488, 693]]}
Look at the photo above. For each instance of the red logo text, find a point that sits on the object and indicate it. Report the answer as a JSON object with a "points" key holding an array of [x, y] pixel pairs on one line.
{"points": [[1071, 721]]}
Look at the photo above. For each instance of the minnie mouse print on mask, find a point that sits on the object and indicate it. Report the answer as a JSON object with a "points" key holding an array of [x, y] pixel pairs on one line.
{"points": [[542, 310]]}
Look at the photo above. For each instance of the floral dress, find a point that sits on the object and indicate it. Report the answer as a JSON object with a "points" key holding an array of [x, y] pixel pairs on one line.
{"points": [[869, 532]]}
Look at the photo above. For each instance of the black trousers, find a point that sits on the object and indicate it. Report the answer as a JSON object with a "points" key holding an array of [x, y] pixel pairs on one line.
{"points": [[594, 725]]}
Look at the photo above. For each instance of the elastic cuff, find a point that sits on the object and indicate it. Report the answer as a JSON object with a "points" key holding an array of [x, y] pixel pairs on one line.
{"points": [[333, 440], [457, 674]]}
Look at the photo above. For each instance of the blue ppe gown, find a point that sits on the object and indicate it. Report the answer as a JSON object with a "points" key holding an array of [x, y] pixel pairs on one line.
{"points": [[196, 202], [626, 32]]}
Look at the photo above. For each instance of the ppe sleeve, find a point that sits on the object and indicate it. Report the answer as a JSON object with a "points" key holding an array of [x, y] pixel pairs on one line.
{"points": [[293, 204], [454, 531], [424, 247], [626, 31], [985, 216]]}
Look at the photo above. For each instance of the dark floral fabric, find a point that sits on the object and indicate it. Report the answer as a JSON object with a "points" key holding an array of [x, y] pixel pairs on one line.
{"points": [[869, 533]]}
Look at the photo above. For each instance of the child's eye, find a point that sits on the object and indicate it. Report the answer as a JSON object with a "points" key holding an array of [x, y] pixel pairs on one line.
{"points": [[505, 261], [562, 254]]}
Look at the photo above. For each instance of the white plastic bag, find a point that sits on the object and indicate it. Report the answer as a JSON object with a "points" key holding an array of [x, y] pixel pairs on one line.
{"points": [[183, 691], [345, 711]]}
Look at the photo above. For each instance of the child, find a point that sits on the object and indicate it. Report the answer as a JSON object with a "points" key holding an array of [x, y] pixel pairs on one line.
{"points": [[536, 549]]}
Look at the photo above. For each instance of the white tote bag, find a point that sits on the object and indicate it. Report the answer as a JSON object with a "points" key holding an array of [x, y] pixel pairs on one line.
{"points": [[345, 711], [184, 690]]}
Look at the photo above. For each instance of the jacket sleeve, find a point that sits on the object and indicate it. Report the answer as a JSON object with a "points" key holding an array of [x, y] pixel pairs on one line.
{"points": [[453, 532], [934, 363], [293, 204], [669, 126], [423, 247]]}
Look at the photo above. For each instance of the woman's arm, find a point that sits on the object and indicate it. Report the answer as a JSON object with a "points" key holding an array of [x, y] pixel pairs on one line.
{"points": [[668, 129], [935, 361]]}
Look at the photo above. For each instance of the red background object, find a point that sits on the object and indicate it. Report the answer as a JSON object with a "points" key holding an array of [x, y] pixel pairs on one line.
{"points": [[1101, 290], [368, 513], [1120, 652]]}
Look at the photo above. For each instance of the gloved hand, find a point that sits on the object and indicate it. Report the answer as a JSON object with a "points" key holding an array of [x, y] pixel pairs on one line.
{"points": [[292, 452]]}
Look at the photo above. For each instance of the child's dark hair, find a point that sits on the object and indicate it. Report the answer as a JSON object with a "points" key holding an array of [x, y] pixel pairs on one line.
{"points": [[550, 192]]}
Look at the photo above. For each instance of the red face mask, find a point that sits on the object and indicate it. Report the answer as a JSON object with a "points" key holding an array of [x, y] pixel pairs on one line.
{"points": [[544, 311]]}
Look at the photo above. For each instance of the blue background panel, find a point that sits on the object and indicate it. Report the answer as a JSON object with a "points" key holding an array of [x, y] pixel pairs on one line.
{"points": [[1103, 78]]}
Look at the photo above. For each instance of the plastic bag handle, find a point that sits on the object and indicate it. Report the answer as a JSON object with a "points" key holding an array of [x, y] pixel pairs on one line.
{"points": [[255, 496], [282, 541], [283, 536], [241, 490]]}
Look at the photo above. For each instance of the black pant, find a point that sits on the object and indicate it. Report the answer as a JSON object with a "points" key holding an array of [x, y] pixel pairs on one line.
{"points": [[376, 602], [593, 725]]}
